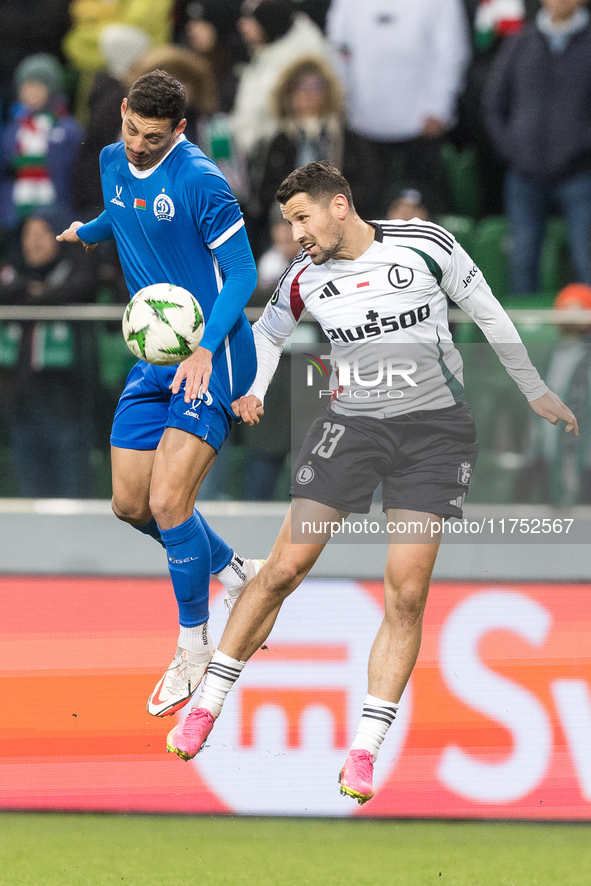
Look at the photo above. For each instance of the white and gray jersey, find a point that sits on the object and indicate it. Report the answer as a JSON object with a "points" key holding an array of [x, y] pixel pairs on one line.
{"points": [[385, 315]]}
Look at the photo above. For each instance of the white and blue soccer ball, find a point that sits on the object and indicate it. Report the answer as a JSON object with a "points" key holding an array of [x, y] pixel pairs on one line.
{"points": [[163, 324]]}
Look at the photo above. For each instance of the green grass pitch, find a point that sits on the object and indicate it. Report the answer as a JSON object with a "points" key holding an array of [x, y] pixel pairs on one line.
{"points": [[131, 850]]}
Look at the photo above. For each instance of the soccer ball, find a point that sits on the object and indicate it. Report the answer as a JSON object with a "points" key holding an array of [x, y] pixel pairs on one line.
{"points": [[163, 324]]}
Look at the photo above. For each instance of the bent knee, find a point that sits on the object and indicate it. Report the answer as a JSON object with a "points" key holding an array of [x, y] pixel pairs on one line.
{"points": [[410, 611], [168, 509], [407, 605], [130, 512]]}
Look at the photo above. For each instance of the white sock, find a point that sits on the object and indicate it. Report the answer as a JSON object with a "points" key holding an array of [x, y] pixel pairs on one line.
{"points": [[233, 575], [222, 672], [378, 716], [195, 639]]}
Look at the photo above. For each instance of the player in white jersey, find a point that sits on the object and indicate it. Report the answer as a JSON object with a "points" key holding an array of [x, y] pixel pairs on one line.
{"points": [[366, 282]]}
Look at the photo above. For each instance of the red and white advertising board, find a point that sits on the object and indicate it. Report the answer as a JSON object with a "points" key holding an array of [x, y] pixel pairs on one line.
{"points": [[496, 721]]}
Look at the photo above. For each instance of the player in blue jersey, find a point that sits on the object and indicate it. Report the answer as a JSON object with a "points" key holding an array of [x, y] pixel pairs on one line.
{"points": [[174, 219]]}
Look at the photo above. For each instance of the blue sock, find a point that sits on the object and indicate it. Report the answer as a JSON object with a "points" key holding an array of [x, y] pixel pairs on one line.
{"points": [[221, 553], [189, 563], [151, 528]]}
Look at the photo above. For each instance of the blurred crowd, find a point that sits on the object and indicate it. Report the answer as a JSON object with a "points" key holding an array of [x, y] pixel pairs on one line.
{"points": [[471, 113]]}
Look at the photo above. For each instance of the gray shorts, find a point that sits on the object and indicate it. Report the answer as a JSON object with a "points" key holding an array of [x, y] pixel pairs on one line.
{"points": [[424, 461]]}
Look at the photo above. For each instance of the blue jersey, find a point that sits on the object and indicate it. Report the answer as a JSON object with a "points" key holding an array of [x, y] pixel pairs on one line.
{"points": [[167, 221]]}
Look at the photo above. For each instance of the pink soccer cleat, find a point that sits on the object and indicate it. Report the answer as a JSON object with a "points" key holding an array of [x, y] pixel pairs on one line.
{"points": [[356, 776], [186, 739]]}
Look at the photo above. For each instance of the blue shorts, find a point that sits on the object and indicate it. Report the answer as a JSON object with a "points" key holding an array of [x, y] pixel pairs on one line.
{"points": [[147, 406]]}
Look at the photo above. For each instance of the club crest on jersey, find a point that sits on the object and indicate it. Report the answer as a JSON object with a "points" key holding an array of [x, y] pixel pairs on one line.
{"points": [[117, 198], [164, 208], [464, 473], [399, 277]]}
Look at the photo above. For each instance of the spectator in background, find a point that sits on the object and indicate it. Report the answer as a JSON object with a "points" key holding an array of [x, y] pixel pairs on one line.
{"points": [[274, 261], [275, 36], [306, 108], [538, 114], [120, 46], [82, 42], [208, 28], [39, 144], [402, 67], [491, 22], [316, 9], [555, 471], [48, 370], [27, 29], [408, 204]]}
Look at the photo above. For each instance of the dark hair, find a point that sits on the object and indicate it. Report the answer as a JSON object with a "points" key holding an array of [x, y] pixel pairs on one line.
{"points": [[320, 180], [158, 96], [282, 96]]}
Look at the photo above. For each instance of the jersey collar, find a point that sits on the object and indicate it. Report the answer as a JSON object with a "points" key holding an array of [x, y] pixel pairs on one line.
{"points": [[379, 231]]}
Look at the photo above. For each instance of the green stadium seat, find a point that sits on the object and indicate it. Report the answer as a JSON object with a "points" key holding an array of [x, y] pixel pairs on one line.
{"points": [[555, 269], [490, 252], [463, 179]]}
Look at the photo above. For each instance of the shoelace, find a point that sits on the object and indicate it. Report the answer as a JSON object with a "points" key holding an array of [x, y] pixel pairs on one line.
{"points": [[363, 765], [176, 671], [192, 721]]}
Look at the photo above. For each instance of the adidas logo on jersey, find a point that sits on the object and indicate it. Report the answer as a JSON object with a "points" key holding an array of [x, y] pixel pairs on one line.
{"points": [[380, 325], [329, 290]]}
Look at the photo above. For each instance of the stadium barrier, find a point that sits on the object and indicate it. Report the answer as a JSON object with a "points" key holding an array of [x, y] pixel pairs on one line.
{"points": [[498, 407]]}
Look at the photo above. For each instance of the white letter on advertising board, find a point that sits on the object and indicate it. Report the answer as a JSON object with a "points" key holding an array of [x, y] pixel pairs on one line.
{"points": [[504, 701], [573, 704]]}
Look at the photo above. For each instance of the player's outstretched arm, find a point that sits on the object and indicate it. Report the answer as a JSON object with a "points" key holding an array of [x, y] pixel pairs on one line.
{"points": [[71, 236], [551, 407], [249, 408]]}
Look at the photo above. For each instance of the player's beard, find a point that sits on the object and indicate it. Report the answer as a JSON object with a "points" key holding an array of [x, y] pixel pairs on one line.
{"points": [[324, 253]]}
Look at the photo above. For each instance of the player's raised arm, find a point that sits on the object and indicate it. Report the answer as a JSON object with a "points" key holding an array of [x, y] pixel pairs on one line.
{"points": [[464, 283]]}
